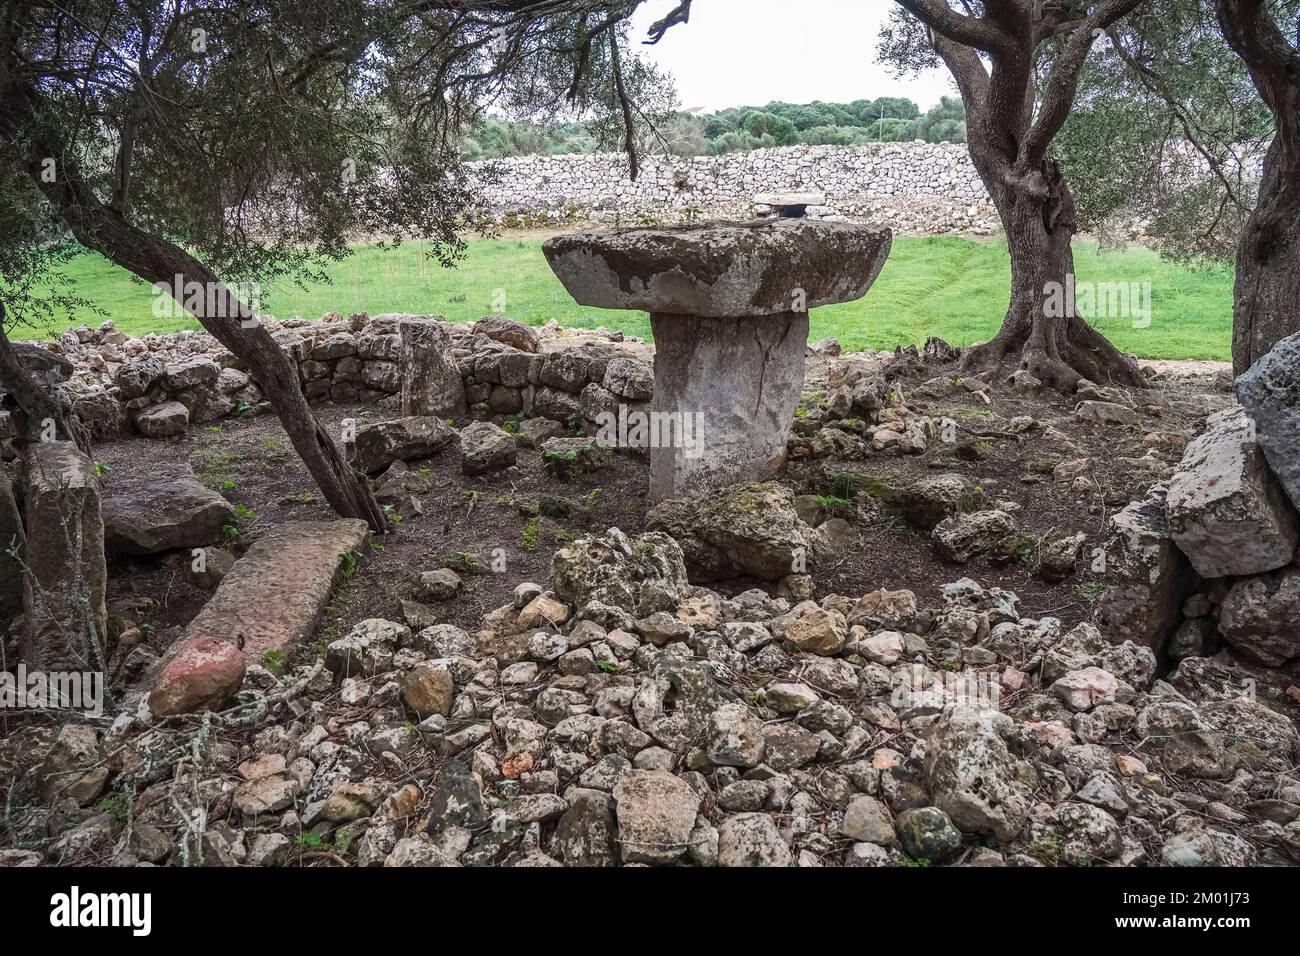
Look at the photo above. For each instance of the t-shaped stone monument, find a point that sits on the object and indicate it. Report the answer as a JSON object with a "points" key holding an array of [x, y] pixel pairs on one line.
{"points": [[728, 306]]}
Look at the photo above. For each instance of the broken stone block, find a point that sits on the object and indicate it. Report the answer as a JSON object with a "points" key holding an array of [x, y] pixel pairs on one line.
{"points": [[963, 536], [380, 444], [1147, 577], [430, 381], [1261, 616], [746, 529], [163, 421], [63, 591], [485, 447], [1226, 511]]}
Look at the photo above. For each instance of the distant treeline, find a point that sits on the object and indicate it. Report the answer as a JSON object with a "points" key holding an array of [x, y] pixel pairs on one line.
{"points": [[889, 119]]}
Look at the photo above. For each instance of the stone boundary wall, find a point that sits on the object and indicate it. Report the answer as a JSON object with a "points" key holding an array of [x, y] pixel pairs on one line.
{"points": [[159, 385], [918, 188]]}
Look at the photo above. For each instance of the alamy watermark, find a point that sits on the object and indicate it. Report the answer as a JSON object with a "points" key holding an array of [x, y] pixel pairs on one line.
{"points": [[968, 688], [1098, 300], [632, 428], [81, 691], [212, 300]]}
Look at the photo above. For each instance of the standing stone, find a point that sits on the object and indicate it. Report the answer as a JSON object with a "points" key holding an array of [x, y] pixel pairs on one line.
{"points": [[1227, 512], [1270, 393], [739, 385], [431, 382], [728, 305], [1147, 578], [12, 541], [63, 592]]}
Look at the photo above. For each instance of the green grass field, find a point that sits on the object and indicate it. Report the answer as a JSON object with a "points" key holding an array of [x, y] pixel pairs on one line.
{"points": [[950, 287]]}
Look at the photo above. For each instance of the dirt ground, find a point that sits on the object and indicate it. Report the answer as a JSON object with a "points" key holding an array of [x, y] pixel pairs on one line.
{"points": [[528, 514]]}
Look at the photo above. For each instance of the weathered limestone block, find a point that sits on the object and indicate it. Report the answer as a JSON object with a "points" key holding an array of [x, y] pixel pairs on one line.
{"points": [[1261, 617], [1227, 513], [163, 421], [742, 530], [431, 383], [1147, 578], [379, 444], [63, 591], [271, 600], [1270, 393]]}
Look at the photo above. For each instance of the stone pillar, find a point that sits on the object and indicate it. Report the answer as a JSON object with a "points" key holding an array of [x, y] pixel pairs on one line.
{"points": [[431, 382], [11, 539], [735, 383], [63, 593]]}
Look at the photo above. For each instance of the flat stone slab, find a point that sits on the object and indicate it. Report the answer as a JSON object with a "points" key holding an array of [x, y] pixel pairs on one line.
{"points": [[146, 514], [721, 270], [272, 599], [1227, 512]]}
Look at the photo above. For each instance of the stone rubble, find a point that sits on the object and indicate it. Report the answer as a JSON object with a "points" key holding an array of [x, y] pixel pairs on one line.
{"points": [[717, 731]]}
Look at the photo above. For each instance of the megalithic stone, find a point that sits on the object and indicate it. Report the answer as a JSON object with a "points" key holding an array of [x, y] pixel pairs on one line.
{"points": [[63, 590], [729, 309], [431, 382]]}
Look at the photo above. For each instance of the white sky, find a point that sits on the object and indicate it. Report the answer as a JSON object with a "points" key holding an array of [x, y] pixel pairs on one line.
{"points": [[750, 52]]}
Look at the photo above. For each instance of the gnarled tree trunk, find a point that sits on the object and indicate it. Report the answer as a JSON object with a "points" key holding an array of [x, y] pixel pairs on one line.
{"points": [[1266, 304], [1266, 301], [1058, 347], [99, 227], [995, 52]]}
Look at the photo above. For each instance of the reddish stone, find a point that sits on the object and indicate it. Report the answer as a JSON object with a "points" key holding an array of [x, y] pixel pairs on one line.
{"points": [[203, 675]]}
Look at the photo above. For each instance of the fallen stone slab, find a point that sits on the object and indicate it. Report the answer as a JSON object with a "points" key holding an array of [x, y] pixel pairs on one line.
{"points": [[1269, 391], [1147, 577], [63, 592], [168, 509], [271, 600], [1227, 512]]}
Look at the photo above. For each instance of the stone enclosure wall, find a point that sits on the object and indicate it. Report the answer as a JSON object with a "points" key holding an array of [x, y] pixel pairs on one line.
{"points": [[158, 385], [917, 187]]}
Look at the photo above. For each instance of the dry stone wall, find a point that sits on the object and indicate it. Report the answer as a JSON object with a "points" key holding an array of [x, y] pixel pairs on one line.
{"points": [[920, 188], [158, 385]]}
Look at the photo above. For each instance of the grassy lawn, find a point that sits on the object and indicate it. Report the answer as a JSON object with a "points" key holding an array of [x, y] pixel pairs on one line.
{"points": [[950, 287]]}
